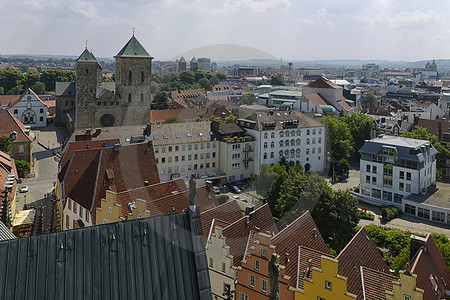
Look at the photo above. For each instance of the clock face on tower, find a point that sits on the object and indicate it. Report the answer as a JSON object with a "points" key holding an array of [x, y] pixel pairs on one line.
{"points": [[107, 120]]}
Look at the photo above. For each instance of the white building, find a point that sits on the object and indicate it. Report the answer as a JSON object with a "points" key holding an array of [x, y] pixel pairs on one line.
{"points": [[393, 168], [423, 110], [29, 109], [288, 134]]}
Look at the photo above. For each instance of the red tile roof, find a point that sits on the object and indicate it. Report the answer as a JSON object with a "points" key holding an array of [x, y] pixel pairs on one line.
{"points": [[360, 251], [7, 100], [376, 283], [184, 114], [301, 232], [7, 166], [226, 213], [308, 258], [428, 262], [237, 233], [81, 145], [9, 123], [345, 105], [317, 99], [323, 84]]}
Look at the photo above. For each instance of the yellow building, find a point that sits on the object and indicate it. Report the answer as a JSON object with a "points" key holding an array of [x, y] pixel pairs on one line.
{"points": [[320, 282], [405, 287]]}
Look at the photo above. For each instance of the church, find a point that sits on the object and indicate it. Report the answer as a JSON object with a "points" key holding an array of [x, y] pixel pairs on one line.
{"points": [[125, 102]]}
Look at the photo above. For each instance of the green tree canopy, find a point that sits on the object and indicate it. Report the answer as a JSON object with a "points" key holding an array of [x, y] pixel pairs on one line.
{"points": [[9, 79], [249, 98], [336, 216], [340, 138], [5, 143], [23, 167], [160, 101], [368, 101], [360, 128], [277, 79], [174, 119], [38, 87], [221, 76]]}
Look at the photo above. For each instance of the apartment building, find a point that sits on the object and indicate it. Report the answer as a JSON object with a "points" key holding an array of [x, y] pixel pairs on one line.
{"points": [[288, 134], [182, 149], [394, 167]]}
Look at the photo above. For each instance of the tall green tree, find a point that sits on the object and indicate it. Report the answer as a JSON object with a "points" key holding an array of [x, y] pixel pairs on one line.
{"points": [[205, 83], [277, 79], [360, 128], [368, 101], [5, 143], [160, 101], [38, 87], [249, 98], [23, 167], [10, 78], [336, 216], [340, 138], [221, 76], [263, 180]]}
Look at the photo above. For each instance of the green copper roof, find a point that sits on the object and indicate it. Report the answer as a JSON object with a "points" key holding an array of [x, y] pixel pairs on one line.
{"points": [[133, 49], [182, 59], [87, 56]]}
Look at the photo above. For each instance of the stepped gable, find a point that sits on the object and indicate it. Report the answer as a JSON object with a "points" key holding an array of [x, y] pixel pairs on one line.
{"points": [[237, 233], [359, 252], [301, 232], [226, 213], [376, 283]]}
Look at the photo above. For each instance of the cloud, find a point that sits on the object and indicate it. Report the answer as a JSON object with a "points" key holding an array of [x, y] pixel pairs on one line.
{"points": [[84, 8], [259, 6]]}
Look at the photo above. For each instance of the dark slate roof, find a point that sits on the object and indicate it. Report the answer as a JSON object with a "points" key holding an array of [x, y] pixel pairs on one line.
{"points": [[5, 233], [133, 49], [65, 89], [154, 258], [402, 145], [87, 56]]}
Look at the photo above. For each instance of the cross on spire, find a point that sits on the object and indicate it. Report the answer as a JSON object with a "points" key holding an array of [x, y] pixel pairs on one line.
{"points": [[133, 30], [86, 44]]}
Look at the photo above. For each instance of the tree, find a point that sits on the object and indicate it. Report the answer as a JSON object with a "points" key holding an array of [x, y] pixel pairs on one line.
{"points": [[17, 90], [160, 101], [205, 83], [336, 216], [5, 143], [31, 78], [23, 167], [249, 98], [38, 87], [214, 80], [264, 179], [443, 244], [370, 100], [342, 168], [187, 77], [277, 79], [174, 119], [341, 140], [154, 87], [221, 76], [361, 128], [10, 78]]}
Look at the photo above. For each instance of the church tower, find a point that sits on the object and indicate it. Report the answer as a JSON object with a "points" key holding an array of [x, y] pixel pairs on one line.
{"points": [[88, 77], [133, 77]]}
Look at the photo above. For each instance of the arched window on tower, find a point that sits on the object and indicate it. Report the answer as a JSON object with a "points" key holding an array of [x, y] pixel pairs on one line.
{"points": [[129, 97], [142, 97], [130, 77], [142, 77]]}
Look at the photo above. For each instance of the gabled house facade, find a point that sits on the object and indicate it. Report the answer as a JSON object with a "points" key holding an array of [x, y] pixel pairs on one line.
{"points": [[29, 109]]}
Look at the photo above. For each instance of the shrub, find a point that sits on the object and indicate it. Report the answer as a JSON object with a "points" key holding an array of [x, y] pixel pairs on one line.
{"points": [[389, 213], [366, 215], [23, 167], [222, 198]]}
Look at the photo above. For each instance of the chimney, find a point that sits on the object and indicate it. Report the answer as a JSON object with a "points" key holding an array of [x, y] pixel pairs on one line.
{"points": [[248, 211], [417, 242], [208, 185], [223, 116], [146, 183], [117, 147]]}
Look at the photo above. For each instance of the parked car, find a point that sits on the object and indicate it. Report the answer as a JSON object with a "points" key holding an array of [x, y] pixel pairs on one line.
{"points": [[235, 198], [235, 189], [216, 190], [23, 189]]}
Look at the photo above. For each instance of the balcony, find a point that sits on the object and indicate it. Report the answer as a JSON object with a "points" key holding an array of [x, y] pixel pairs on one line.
{"points": [[248, 150], [248, 159]]}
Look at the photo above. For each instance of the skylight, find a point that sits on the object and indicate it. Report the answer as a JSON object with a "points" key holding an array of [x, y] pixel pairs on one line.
{"points": [[200, 134], [177, 135], [188, 134], [155, 137], [166, 137]]}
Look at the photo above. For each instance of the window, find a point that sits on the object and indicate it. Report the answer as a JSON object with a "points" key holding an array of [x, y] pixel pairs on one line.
{"points": [[286, 134], [265, 155], [314, 140], [163, 149], [307, 132], [224, 267], [297, 153], [265, 145], [319, 150], [251, 281], [401, 186], [129, 97], [87, 216], [67, 222], [75, 207], [142, 76], [214, 154], [272, 135], [387, 196], [266, 135], [211, 262], [368, 168], [272, 155], [398, 198], [307, 151], [406, 297], [376, 193], [320, 140], [69, 204], [81, 212], [292, 143], [243, 296], [163, 160], [374, 180], [16, 111], [374, 169], [402, 175], [408, 176], [409, 209], [272, 144], [196, 147], [110, 210], [387, 182], [263, 286], [281, 134], [263, 252], [195, 156], [314, 132], [307, 141], [257, 265], [281, 143], [313, 150], [189, 147], [423, 213], [130, 77], [298, 142], [328, 285], [438, 216], [226, 289]]}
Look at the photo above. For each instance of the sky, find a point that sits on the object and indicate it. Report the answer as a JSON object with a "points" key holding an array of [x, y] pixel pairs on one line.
{"points": [[289, 29]]}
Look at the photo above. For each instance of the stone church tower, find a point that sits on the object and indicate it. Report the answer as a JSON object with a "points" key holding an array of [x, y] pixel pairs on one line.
{"points": [[127, 102]]}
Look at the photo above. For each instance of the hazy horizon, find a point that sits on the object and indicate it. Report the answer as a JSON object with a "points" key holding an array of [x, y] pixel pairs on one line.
{"points": [[396, 30]]}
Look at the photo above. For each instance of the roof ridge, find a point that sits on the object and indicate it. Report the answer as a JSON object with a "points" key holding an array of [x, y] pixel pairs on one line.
{"points": [[351, 241], [150, 185], [289, 225], [379, 272], [317, 251]]}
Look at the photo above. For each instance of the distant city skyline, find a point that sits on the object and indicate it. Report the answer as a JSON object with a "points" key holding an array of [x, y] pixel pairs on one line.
{"points": [[289, 29]]}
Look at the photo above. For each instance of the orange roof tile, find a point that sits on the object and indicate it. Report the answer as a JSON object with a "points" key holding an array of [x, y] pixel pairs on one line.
{"points": [[359, 252], [376, 283], [323, 84], [226, 213], [9, 123]]}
